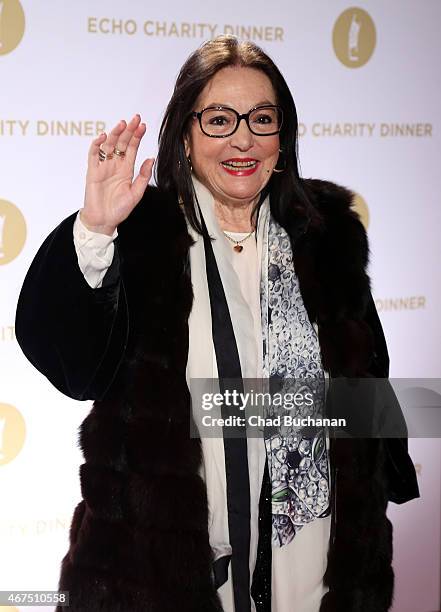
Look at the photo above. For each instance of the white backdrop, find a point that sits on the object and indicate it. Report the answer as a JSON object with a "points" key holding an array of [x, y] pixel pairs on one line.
{"points": [[366, 82]]}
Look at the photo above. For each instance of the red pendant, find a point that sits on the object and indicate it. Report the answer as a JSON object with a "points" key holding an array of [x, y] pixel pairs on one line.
{"points": [[238, 248]]}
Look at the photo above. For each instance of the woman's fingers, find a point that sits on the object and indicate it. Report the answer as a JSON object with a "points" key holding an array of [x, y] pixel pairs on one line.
{"points": [[112, 138], [142, 180], [95, 149], [125, 137], [133, 145]]}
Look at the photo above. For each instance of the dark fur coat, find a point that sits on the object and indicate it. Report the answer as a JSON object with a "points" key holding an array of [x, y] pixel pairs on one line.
{"points": [[139, 537]]}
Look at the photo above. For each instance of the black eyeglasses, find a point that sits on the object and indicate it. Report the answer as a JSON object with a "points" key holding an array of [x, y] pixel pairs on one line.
{"points": [[221, 121]]}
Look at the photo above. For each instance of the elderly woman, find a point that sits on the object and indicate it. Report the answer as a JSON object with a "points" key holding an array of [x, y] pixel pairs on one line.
{"points": [[232, 268]]}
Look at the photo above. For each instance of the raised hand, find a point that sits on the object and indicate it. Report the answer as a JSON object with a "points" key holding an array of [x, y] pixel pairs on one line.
{"points": [[111, 193]]}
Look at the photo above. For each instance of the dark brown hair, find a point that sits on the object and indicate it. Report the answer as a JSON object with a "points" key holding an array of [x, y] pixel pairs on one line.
{"points": [[172, 173]]}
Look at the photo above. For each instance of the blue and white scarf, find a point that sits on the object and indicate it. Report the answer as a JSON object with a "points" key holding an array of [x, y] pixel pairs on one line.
{"points": [[298, 460]]}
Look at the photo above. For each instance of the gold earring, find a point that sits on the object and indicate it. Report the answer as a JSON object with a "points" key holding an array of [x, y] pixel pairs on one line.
{"points": [[277, 170], [189, 163]]}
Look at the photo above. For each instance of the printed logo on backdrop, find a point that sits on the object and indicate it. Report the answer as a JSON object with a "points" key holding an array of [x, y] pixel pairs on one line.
{"points": [[12, 232], [361, 208], [12, 25], [182, 29], [26, 527], [399, 303], [53, 127], [354, 37], [12, 433], [33, 526], [363, 129]]}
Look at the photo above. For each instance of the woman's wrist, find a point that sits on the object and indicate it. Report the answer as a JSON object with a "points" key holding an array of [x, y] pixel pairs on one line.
{"points": [[99, 229]]}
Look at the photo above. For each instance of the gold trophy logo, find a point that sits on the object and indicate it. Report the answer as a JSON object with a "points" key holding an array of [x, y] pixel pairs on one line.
{"points": [[12, 232], [12, 25], [361, 208], [354, 37], [12, 433]]}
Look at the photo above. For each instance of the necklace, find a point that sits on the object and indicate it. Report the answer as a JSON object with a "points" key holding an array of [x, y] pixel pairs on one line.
{"points": [[238, 243]]}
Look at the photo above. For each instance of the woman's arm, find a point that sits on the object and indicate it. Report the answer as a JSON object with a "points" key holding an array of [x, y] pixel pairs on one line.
{"points": [[400, 471], [73, 334], [94, 252]]}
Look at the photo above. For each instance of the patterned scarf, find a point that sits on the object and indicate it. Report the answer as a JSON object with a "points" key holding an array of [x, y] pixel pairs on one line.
{"points": [[298, 458]]}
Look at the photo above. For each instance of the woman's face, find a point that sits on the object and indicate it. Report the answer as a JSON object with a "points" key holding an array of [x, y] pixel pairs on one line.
{"points": [[241, 89]]}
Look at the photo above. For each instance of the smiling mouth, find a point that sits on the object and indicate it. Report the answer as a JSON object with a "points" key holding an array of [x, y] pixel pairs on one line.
{"points": [[240, 165]]}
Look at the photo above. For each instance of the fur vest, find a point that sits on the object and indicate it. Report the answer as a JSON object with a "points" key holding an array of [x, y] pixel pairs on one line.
{"points": [[139, 537]]}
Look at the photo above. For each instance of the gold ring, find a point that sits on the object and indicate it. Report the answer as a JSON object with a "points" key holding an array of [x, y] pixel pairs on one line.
{"points": [[103, 156], [119, 153]]}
